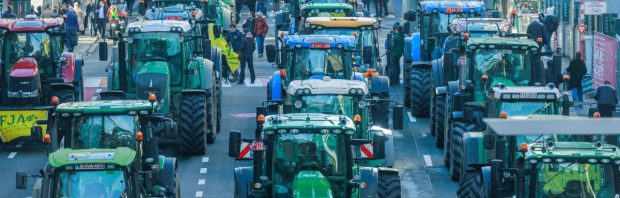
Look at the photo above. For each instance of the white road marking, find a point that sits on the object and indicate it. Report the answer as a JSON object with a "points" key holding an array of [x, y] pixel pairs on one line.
{"points": [[257, 83], [19, 145], [201, 182], [427, 160], [224, 84], [205, 159], [203, 170], [411, 118], [199, 193], [93, 82], [12, 155]]}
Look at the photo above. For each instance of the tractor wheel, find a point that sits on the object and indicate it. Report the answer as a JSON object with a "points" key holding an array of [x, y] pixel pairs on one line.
{"points": [[380, 114], [192, 125], [389, 185], [440, 119], [211, 116], [432, 114], [64, 95], [170, 176], [420, 91], [471, 186], [456, 152]]}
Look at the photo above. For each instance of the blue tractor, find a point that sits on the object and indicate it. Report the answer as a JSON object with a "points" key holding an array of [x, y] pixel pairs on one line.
{"points": [[433, 21]]}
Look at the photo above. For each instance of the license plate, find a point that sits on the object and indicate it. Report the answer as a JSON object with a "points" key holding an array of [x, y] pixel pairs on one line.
{"points": [[528, 95], [89, 166]]}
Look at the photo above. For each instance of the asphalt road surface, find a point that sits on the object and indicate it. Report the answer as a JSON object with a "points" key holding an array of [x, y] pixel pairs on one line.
{"points": [[420, 163]]}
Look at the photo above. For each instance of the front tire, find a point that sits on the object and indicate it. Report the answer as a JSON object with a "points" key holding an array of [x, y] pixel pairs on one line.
{"points": [[192, 125], [456, 162], [211, 116], [389, 185], [471, 186], [440, 120], [420, 91]]}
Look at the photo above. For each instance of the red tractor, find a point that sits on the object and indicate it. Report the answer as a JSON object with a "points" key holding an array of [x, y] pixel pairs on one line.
{"points": [[35, 74]]}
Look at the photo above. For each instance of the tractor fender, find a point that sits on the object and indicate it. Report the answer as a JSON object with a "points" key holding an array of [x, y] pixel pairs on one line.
{"points": [[276, 86], [62, 86], [193, 92], [379, 85], [474, 154], [370, 176], [358, 76], [437, 72], [243, 179], [453, 87], [68, 69], [441, 90], [209, 74], [486, 180], [416, 47], [417, 64], [389, 144]]}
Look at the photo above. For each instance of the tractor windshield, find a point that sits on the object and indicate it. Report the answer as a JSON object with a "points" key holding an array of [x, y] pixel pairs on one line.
{"points": [[38, 45], [508, 66], [160, 46], [364, 38], [316, 63], [523, 108], [103, 131], [323, 154], [574, 179], [330, 104], [95, 183]]}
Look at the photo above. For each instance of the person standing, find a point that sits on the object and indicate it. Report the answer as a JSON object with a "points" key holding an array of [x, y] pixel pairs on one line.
{"points": [[80, 16], [102, 17], [577, 69], [396, 51], [71, 28], [535, 30], [384, 5], [89, 20], [248, 24], [248, 45], [366, 5], [606, 99], [234, 37], [261, 28], [8, 14], [47, 12], [378, 8]]}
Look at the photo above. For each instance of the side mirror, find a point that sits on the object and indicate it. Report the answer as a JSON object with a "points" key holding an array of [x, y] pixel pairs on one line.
{"points": [[36, 133], [367, 54], [21, 180], [234, 144], [378, 144], [271, 53], [489, 140], [397, 117], [410, 16]]}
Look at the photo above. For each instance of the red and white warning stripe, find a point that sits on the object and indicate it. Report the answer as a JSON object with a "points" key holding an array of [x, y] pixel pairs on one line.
{"points": [[366, 151], [245, 151]]}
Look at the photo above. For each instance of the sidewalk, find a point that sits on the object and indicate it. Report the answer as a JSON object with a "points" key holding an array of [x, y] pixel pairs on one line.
{"points": [[86, 46]]}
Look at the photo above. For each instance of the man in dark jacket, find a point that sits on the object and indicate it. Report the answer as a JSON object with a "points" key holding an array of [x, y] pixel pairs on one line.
{"points": [[535, 30], [577, 69], [102, 17], [248, 45], [606, 99], [71, 28], [396, 51], [8, 14], [234, 37]]}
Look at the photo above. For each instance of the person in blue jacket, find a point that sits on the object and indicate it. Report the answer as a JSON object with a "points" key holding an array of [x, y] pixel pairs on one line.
{"points": [[71, 29]]}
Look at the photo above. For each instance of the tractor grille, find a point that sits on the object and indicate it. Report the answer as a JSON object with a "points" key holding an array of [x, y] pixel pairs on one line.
{"points": [[24, 84], [151, 83]]}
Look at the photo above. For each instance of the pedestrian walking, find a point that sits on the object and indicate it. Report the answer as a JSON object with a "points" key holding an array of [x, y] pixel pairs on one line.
{"points": [[248, 45], [129, 8], [102, 17], [535, 30], [80, 17], [396, 52], [606, 99], [47, 12], [577, 69], [366, 5], [378, 8], [261, 28], [38, 12], [384, 5], [89, 21], [8, 14], [71, 29]]}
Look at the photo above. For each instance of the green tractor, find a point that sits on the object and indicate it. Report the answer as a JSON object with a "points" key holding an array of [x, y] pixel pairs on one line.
{"points": [[162, 57], [526, 157], [291, 15], [351, 99], [310, 155], [484, 64], [115, 172], [220, 12], [433, 18]]}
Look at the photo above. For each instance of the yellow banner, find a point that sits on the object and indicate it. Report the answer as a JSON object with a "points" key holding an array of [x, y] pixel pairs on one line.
{"points": [[232, 58], [17, 123]]}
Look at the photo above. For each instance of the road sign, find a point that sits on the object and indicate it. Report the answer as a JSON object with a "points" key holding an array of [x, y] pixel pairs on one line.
{"points": [[582, 28], [595, 7]]}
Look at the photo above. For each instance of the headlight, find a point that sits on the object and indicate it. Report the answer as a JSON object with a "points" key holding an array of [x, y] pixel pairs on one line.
{"points": [[132, 112], [324, 131], [533, 161], [144, 112], [282, 131], [13, 94], [337, 131], [307, 91], [546, 160], [592, 161], [361, 104], [617, 162], [351, 132], [294, 131], [268, 132], [559, 160], [605, 161]]}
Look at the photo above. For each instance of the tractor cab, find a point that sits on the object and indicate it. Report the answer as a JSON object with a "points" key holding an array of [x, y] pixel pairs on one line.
{"points": [[326, 8], [308, 154], [544, 165], [364, 29], [34, 62], [220, 11], [481, 27]]}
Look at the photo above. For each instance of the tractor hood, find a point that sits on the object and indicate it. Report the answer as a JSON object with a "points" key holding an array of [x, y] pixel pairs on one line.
{"points": [[154, 77], [25, 67], [311, 183]]}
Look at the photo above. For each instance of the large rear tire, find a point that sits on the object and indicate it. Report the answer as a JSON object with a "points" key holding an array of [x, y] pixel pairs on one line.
{"points": [[389, 185], [420, 91], [432, 114], [456, 152], [471, 186], [380, 114], [211, 116], [440, 120], [192, 124]]}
